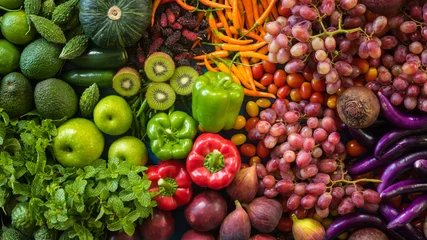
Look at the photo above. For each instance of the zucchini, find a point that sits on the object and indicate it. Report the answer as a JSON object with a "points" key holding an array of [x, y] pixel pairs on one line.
{"points": [[86, 77], [102, 58]]}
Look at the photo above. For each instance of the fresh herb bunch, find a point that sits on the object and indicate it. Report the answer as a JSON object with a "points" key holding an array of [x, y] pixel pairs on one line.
{"points": [[82, 202]]}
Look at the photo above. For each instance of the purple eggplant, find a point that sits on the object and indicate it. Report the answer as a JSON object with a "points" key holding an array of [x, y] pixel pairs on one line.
{"points": [[408, 230], [398, 118], [414, 209], [363, 136], [359, 220], [403, 146], [366, 165], [393, 137], [405, 186], [393, 170], [421, 168]]}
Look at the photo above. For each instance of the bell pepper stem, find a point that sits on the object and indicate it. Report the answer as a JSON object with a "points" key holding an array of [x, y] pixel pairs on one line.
{"points": [[214, 161], [167, 186]]}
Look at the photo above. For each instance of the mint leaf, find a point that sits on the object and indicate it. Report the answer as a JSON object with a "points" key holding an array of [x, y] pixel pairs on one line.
{"points": [[127, 195], [115, 226], [82, 232], [22, 189], [112, 185], [11, 145], [6, 118], [2, 132], [129, 228]]}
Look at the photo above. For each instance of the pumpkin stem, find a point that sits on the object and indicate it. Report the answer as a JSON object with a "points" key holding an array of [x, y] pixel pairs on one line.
{"points": [[114, 13]]}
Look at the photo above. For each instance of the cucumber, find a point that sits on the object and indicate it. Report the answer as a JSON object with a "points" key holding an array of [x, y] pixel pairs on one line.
{"points": [[87, 77], [101, 58]]}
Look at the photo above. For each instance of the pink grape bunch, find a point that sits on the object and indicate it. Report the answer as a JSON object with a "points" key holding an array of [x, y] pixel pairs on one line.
{"points": [[325, 37], [306, 162]]}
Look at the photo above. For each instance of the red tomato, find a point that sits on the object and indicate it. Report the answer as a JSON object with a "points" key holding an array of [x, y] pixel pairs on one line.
{"points": [[269, 66], [272, 89], [266, 79], [261, 150], [283, 92], [251, 123], [248, 150], [257, 71], [318, 85], [306, 90], [354, 148], [316, 97], [279, 77], [295, 80]]}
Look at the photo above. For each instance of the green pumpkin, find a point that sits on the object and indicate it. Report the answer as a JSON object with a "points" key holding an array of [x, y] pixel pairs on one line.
{"points": [[115, 23]]}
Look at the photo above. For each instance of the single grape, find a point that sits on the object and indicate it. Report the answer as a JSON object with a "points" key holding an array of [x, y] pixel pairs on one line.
{"points": [[269, 181], [318, 44], [327, 165], [303, 159], [308, 171], [371, 196], [284, 186], [338, 192], [293, 202], [272, 165], [306, 132], [320, 135], [371, 207], [324, 200], [270, 192], [300, 188], [291, 116], [408, 27], [277, 129], [379, 24], [284, 166], [309, 144], [357, 198], [263, 126], [334, 138], [270, 141], [313, 122], [273, 28], [261, 171], [322, 213], [321, 178], [308, 201], [316, 189], [345, 206], [317, 152], [308, 13]]}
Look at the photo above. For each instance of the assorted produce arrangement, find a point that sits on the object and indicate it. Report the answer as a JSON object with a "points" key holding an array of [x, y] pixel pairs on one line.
{"points": [[213, 119]]}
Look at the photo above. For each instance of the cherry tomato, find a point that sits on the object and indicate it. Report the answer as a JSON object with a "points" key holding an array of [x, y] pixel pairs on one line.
{"points": [[358, 83], [285, 224], [371, 75], [254, 159], [283, 92], [286, 12], [306, 90], [318, 85], [354, 148], [340, 90], [308, 74], [251, 123], [316, 97], [279, 77], [252, 108], [362, 64], [269, 66], [263, 102], [248, 150], [257, 71], [266, 79], [238, 139], [272, 89], [295, 95], [261, 150], [240, 122], [332, 101], [295, 80]]}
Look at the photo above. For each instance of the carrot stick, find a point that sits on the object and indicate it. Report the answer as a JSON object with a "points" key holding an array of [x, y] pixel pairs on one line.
{"points": [[259, 85], [213, 4], [253, 93], [223, 20], [240, 48], [248, 34], [230, 39], [156, 4], [208, 65], [264, 15], [274, 10], [249, 13], [254, 54], [185, 6], [219, 54], [247, 68]]}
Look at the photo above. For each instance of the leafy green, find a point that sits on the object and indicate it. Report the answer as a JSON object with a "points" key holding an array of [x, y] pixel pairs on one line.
{"points": [[82, 202]]}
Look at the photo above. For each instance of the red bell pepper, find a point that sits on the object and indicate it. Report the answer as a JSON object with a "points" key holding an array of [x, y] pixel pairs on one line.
{"points": [[213, 161], [172, 181]]}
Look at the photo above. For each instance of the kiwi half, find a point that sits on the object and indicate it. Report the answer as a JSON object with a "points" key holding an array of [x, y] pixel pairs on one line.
{"points": [[127, 82], [182, 80], [159, 67], [160, 96]]}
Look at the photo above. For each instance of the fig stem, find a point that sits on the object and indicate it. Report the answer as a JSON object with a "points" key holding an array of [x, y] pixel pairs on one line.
{"points": [[237, 203], [167, 186], [294, 218], [214, 161]]}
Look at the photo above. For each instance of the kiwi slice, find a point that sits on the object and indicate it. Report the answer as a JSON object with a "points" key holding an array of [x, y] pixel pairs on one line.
{"points": [[182, 80], [159, 67], [127, 82], [160, 96]]}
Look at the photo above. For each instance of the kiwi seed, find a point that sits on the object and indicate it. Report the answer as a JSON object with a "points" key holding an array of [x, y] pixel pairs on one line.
{"points": [[182, 80], [127, 82], [160, 96], [159, 67]]}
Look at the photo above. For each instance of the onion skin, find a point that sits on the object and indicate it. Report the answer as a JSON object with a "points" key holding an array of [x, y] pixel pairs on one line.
{"points": [[193, 234], [398, 118], [414, 209], [421, 168], [396, 168], [408, 230], [405, 186], [264, 213], [244, 185], [160, 227], [368, 234], [359, 220], [383, 7]]}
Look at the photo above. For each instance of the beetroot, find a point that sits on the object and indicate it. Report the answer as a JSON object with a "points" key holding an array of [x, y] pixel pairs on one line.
{"points": [[193, 234], [264, 214], [206, 212], [368, 234], [160, 227], [383, 7]]}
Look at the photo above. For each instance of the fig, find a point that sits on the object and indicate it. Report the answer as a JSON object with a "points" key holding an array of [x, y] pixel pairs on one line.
{"points": [[307, 228], [236, 226], [368, 234], [264, 214], [262, 237], [122, 236], [160, 227], [206, 212], [193, 234], [244, 185]]}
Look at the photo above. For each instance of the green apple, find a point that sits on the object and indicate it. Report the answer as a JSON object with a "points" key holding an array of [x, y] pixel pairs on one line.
{"points": [[130, 149], [112, 115], [78, 143]]}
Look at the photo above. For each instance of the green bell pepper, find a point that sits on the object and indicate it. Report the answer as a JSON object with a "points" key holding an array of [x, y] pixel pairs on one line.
{"points": [[171, 135], [216, 101]]}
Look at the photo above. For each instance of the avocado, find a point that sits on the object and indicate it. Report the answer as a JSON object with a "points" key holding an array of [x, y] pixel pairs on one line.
{"points": [[40, 59], [55, 99], [16, 94]]}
